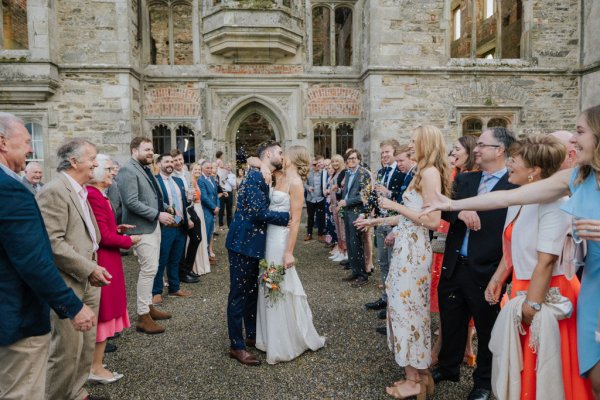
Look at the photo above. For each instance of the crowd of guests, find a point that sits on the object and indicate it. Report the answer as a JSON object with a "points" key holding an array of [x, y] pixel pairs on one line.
{"points": [[491, 236], [63, 295]]}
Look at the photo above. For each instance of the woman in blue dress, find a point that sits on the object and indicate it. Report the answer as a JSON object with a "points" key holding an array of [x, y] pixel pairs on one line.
{"points": [[582, 184]]}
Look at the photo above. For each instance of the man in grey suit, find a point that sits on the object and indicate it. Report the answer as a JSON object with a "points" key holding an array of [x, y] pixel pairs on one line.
{"points": [[315, 200], [354, 201], [33, 177], [143, 207]]}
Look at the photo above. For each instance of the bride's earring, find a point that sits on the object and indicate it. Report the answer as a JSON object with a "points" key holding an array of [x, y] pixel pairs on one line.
{"points": [[529, 178]]}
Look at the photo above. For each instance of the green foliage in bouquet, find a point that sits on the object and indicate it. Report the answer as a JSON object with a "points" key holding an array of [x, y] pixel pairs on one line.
{"points": [[270, 277]]}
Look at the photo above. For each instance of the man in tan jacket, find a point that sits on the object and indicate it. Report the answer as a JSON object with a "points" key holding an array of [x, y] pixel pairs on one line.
{"points": [[74, 237]]}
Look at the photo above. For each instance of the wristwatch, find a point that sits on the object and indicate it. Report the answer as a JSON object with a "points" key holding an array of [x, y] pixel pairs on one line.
{"points": [[535, 306]]}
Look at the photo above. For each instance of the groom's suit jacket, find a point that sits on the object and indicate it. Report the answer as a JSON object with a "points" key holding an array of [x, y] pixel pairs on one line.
{"points": [[248, 231]]}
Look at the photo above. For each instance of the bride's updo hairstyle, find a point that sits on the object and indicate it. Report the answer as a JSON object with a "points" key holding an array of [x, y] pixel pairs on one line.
{"points": [[298, 155]]}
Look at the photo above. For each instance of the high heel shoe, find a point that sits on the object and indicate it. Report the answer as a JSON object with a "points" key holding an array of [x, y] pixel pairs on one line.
{"points": [[396, 391]]}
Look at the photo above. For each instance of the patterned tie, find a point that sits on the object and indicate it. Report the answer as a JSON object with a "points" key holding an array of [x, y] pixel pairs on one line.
{"points": [[385, 176], [485, 178], [174, 200]]}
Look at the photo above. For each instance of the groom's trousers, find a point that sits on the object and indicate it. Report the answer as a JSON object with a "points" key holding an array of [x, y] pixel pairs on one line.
{"points": [[243, 294]]}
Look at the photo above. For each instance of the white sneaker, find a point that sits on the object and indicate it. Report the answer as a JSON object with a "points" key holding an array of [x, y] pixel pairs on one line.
{"points": [[98, 379], [339, 257], [344, 257], [334, 255]]}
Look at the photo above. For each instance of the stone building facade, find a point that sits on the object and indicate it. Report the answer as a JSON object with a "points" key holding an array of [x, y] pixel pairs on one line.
{"points": [[207, 75]]}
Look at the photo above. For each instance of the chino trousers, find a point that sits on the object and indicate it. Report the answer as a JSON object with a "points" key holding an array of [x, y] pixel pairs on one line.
{"points": [[148, 252], [23, 368], [172, 248]]}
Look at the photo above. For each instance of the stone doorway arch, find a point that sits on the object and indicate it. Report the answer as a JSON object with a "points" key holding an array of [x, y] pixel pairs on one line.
{"points": [[251, 124]]}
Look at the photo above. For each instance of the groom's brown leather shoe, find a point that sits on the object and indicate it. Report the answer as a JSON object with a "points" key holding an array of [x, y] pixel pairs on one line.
{"points": [[243, 357]]}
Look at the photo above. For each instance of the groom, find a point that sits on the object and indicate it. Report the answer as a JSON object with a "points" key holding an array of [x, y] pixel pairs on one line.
{"points": [[246, 242]]}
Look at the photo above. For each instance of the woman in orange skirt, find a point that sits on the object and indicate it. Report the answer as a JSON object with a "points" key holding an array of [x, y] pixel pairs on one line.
{"points": [[533, 239]]}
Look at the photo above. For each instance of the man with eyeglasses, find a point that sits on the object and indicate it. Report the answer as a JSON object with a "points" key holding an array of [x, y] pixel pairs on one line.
{"points": [[473, 252], [354, 201]]}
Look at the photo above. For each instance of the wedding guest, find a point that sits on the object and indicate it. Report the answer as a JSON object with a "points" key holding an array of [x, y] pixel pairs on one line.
{"points": [[566, 138], [114, 195], [74, 237], [464, 161], [315, 200], [354, 202], [228, 184], [33, 177], [179, 168], [583, 184], [389, 180], [210, 204], [473, 251], [143, 208], [172, 236], [407, 284], [30, 283], [196, 257], [339, 252], [534, 237], [112, 313]]}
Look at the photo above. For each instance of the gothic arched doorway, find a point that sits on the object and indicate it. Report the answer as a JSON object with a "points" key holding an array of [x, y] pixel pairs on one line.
{"points": [[253, 130]]}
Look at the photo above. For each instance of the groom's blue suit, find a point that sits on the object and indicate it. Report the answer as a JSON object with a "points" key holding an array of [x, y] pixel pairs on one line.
{"points": [[246, 242]]}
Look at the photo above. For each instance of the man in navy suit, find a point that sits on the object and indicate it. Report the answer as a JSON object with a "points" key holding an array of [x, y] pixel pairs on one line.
{"points": [[209, 199], [172, 236], [30, 283], [246, 241]]}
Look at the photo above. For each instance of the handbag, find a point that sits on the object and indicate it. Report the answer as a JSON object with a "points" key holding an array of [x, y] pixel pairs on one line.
{"points": [[438, 243], [560, 306]]}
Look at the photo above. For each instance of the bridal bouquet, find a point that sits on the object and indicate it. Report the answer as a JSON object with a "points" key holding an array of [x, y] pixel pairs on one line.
{"points": [[270, 277]]}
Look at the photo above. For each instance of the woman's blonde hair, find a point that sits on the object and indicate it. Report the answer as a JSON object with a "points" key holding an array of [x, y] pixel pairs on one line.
{"points": [[339, 159], [543, 151], [592, 117], [298, 155], [430, 151]]}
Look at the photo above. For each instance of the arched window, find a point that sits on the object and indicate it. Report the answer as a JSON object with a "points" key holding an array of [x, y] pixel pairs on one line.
{"points": [[14, 34], [497, 122], [322, 140], [472, 126], [332, 46], [161, 139], [37, 141], [185, 143], [170, 33], [343, 36], [321, 20], [344, 138]]}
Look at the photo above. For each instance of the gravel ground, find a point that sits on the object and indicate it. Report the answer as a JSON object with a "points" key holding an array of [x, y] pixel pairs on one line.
{"points": [[190, 360]]}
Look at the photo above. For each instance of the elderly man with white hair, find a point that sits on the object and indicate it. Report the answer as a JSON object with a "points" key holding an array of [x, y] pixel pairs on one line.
{"points": [[33, 177], [566, 138]]}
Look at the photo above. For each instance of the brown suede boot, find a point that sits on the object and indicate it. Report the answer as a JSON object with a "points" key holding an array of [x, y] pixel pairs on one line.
{"points": [[158, 315], [146, 324]]}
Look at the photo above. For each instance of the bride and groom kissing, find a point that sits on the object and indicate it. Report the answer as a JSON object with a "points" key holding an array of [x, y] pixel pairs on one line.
{"points": [[265, 226]]}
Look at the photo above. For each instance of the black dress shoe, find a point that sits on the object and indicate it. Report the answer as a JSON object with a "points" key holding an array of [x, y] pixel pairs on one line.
{"points": [[380, 304], [344, 263], [195, 275], [110, 348], [350, 278], [360, 282], [480, 394], [382, 314], [439, 376], [189, 279], [382, 330]]}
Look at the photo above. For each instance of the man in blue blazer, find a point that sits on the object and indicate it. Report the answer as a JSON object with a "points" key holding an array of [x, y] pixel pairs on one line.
{"points": [[209, 199], [246, 241], [173, 236], [30, 283]]}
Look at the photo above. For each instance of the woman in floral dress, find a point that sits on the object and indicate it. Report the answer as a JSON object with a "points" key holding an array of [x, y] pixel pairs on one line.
{"points": [[409, 279]]}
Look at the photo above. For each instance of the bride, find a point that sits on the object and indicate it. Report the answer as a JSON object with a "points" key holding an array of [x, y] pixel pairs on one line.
{"points": [[284, 328]]}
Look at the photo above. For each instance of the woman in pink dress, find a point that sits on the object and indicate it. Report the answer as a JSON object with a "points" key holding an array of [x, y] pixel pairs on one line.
{"points": [[112, 314]]}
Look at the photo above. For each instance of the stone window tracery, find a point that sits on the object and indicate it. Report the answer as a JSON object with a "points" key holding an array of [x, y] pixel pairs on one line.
{"points": [[37, 142], [326, 143], [332, 34], [161, 139], [475, 122], [486, 29], [174, 135], [14, 34], [170, 32]]}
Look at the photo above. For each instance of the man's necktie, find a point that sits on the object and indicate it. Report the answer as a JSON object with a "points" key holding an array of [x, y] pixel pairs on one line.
{"points": [[161, 207], [485, 178], [175, 201], [386, 175]]}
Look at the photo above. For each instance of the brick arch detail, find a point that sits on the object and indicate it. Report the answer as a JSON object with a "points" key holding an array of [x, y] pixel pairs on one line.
{"points": [[171, 102], [333, 102]]}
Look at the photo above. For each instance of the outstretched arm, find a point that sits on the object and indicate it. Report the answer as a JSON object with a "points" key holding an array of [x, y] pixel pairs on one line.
{"points": [[543, 191], [297, 200]]}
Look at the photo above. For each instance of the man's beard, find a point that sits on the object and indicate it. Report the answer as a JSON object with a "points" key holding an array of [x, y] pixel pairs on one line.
{"points": [[143, 160], [278, 166]]}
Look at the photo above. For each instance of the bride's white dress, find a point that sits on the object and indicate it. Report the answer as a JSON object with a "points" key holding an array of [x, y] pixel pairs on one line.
{"points": [[284, 329]]}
